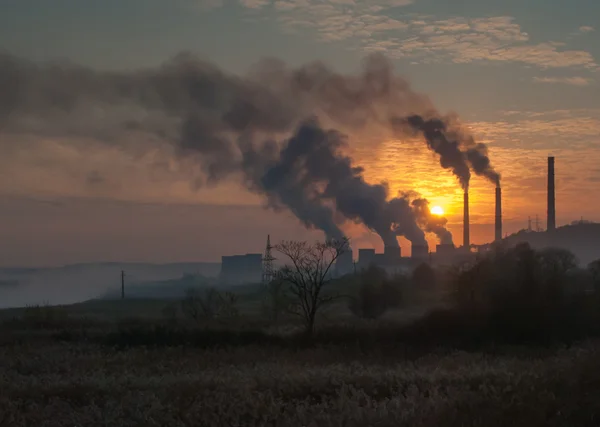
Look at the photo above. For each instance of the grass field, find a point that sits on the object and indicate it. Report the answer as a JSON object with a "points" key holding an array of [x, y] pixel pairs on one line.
{"points": [[65, 373]]}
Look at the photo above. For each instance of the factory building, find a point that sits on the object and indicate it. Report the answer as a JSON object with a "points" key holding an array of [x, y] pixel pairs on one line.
{"points": [[344, 264], [241, 269], [390, 260]]}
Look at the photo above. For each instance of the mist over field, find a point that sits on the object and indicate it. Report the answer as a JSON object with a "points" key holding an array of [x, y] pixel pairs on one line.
{"points": [[71, 284]]}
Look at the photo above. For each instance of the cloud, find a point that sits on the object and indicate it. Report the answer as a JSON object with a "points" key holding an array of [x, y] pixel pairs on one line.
{"points": [[574, 81], [334, 20], [205, 4], [586, 29], [462, 40], [254, 4], [575, 130], [370, 27]]}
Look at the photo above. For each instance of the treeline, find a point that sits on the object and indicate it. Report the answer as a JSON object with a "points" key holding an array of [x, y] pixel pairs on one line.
{"points": [[509, 295]]}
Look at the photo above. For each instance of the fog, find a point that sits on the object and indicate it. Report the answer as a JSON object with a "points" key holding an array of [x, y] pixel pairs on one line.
{"points": [[77, 283]]}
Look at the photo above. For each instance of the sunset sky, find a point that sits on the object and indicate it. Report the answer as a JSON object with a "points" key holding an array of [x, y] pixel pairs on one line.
{"points": [[524, 76]]}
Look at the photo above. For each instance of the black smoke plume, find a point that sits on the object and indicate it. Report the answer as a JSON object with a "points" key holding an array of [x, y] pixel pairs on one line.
{"points": [[451, 157], [310, 172], [457, 149], [232, 126]]}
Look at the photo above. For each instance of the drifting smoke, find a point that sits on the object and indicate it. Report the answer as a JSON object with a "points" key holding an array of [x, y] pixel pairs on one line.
{"points": [[310, 171], [456, 148], [233, 127]]}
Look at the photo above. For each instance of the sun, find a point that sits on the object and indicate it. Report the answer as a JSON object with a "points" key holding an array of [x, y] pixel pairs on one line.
{"points": [[437, 210]]}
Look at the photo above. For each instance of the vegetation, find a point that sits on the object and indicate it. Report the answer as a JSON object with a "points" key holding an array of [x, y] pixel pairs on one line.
{"points": [[307, 275], [515, 342], [377, 293]]}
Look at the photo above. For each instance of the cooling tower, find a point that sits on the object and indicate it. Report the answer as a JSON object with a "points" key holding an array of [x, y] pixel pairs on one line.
{"points": [[366, 257], [419, 251], [344, 263], [551, 220], [445, 249], [466, 234], [498, 223], [392, 254]]}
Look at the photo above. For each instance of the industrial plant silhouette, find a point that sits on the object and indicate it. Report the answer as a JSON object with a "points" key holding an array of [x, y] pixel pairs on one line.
{"points": [[579, 238]]}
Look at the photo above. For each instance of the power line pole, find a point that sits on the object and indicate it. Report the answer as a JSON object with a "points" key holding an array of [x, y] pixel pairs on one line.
{"points": [[122, 284], [268, 268]]}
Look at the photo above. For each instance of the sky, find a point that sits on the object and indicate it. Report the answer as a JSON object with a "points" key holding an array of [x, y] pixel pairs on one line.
{"points": [[523, 76]]}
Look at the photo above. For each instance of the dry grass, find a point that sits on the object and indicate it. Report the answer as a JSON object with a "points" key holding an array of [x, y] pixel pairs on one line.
{"points": [[45, 383]]}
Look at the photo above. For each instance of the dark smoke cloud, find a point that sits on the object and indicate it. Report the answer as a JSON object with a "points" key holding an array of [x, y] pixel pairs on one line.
{"points": [[310, 171], [230, 125], [477, 155], [457, 149], [451, 157]]}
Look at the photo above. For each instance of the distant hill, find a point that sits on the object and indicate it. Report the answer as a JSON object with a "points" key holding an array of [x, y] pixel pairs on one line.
{"points": [[80, 282], [583, 239], [163, 289], [8, 283]]}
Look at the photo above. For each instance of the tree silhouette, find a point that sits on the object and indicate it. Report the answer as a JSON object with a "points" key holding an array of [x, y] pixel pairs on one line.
{"points": [[307, 274]]}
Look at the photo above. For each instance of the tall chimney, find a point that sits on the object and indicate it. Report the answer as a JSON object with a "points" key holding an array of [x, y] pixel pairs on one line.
{"points": [[551, 220], [466, 235], [498, 224]]}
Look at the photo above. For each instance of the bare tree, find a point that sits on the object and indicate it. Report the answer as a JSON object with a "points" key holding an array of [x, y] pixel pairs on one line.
{"points": [[308, 273], [275, 301], [200, 307], [594, 269]]}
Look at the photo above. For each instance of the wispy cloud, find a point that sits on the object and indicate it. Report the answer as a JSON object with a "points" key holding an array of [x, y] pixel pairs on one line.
{"points": [[370, 27], [254, 4], [573, 129], [574, 81], [463, 40], [586, 29], [339, 20], [205, 4]]}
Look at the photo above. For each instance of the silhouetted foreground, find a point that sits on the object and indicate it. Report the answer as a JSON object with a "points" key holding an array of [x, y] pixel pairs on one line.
{"points": [[516, 343], [58, 384]]}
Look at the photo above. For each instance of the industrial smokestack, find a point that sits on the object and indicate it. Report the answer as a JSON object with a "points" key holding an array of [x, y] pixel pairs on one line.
{"points": [[466, 235], [551, 221], [392, 254], [498, 224]]}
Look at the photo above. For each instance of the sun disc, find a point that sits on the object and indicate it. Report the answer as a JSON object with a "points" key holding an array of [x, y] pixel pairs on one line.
{"points": [[437, 210]]}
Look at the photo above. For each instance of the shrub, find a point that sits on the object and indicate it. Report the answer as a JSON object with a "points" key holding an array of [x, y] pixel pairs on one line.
{"points": [[45, 317], [276, 300], [209, 306], [377, 293], [522, 295], [423, 277], [160, 335]]}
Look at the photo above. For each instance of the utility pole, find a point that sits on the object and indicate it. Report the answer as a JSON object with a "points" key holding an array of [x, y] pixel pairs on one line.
{"points": [[122, 284], [268, 273], [529, 224]]}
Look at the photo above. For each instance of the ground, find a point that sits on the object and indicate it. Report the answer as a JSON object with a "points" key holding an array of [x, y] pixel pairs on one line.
{"points": [[67, 374], [87, 385]]}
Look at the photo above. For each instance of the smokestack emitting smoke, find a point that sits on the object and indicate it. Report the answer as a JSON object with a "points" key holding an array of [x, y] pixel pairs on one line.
{"points": [[498, 222], [457, 149], [233, 126], [466, 225], [551, 221]]}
